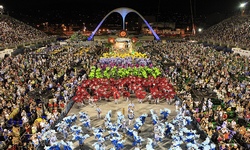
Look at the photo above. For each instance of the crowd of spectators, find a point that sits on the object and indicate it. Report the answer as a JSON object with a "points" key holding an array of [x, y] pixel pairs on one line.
{"points": [[15, 32], [35, 89], [233, 31], [224, 118], [190, 67]]}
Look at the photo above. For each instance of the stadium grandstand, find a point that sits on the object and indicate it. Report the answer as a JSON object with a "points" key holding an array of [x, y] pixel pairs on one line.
{"points": [[14, 33], [233, 32]]}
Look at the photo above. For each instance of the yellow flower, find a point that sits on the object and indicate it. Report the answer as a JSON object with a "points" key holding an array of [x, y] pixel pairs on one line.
{"points": [[124, 55]]}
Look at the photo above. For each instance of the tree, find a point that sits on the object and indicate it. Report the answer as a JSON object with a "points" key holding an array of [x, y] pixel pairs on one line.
{"points": [[77, 36]]}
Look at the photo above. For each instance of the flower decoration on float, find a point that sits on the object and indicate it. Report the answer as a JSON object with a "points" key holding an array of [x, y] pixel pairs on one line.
{"points": [[116, 72], [124, 55], [124, 62]]}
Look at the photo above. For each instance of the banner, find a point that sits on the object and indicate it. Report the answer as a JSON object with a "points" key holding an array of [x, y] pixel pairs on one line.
{"points": [[4, 52], [241, 51]]}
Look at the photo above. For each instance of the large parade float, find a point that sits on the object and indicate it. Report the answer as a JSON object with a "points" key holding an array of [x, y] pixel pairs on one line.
{"points": [[124, 72]]}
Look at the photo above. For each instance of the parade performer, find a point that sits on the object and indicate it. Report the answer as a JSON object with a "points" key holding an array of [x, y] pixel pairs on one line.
{"points": [[66, 145], [99, 146], [157, 136], [126, 94], [116, 96], [140, 95], [165, 113], [157, 100], [130, 117], [177, 104], [52, 139], [99, 111], [154, 116], [114, 131], [137, 139], [137, 124], [86, 123], [65, 133], [76, 129], [150, 145], [120, 117], [120, 145], [131, 106], [91, 101], [80, 138], [169, 128], [108, 116], [143, 118], [124, 126], [149, 98], [130, 132]]}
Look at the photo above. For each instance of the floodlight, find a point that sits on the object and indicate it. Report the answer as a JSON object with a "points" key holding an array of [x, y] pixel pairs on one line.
{"points": [[242, 5], [1, 6]]}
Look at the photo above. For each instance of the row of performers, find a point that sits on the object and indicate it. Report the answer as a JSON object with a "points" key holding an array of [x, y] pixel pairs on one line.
{"points": [[115, 94], [98, 89]]}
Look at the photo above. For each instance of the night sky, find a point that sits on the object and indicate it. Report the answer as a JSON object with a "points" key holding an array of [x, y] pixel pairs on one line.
{"points": [[37, 8], [202, 6]]}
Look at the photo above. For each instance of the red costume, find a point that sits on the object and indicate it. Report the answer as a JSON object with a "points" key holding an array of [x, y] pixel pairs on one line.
{"points": [[159, 88], [126, 94]]}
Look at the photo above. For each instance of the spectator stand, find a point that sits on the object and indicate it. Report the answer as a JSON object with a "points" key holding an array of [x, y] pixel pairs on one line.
{"points": [[14, 33], [232, 32]]}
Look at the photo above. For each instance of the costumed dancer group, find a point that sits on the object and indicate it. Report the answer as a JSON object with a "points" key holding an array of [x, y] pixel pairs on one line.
{"points": [[151, 90], [126, 129]]}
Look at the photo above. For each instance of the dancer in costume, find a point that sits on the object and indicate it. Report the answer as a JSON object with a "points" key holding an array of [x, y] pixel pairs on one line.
{"points": [[131, 106], [130, 117], [99, 111], [91, 101], [126, 94]]}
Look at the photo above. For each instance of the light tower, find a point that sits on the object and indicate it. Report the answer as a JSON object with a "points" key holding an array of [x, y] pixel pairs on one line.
{"points": [[242, 7], [1, 9]]}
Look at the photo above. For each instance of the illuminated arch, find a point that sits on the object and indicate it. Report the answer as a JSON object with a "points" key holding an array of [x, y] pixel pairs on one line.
{"points": [[123, 11]]}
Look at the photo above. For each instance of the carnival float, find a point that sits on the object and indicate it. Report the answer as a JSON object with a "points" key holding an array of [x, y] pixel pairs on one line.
{"points": [[124, 72]]}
